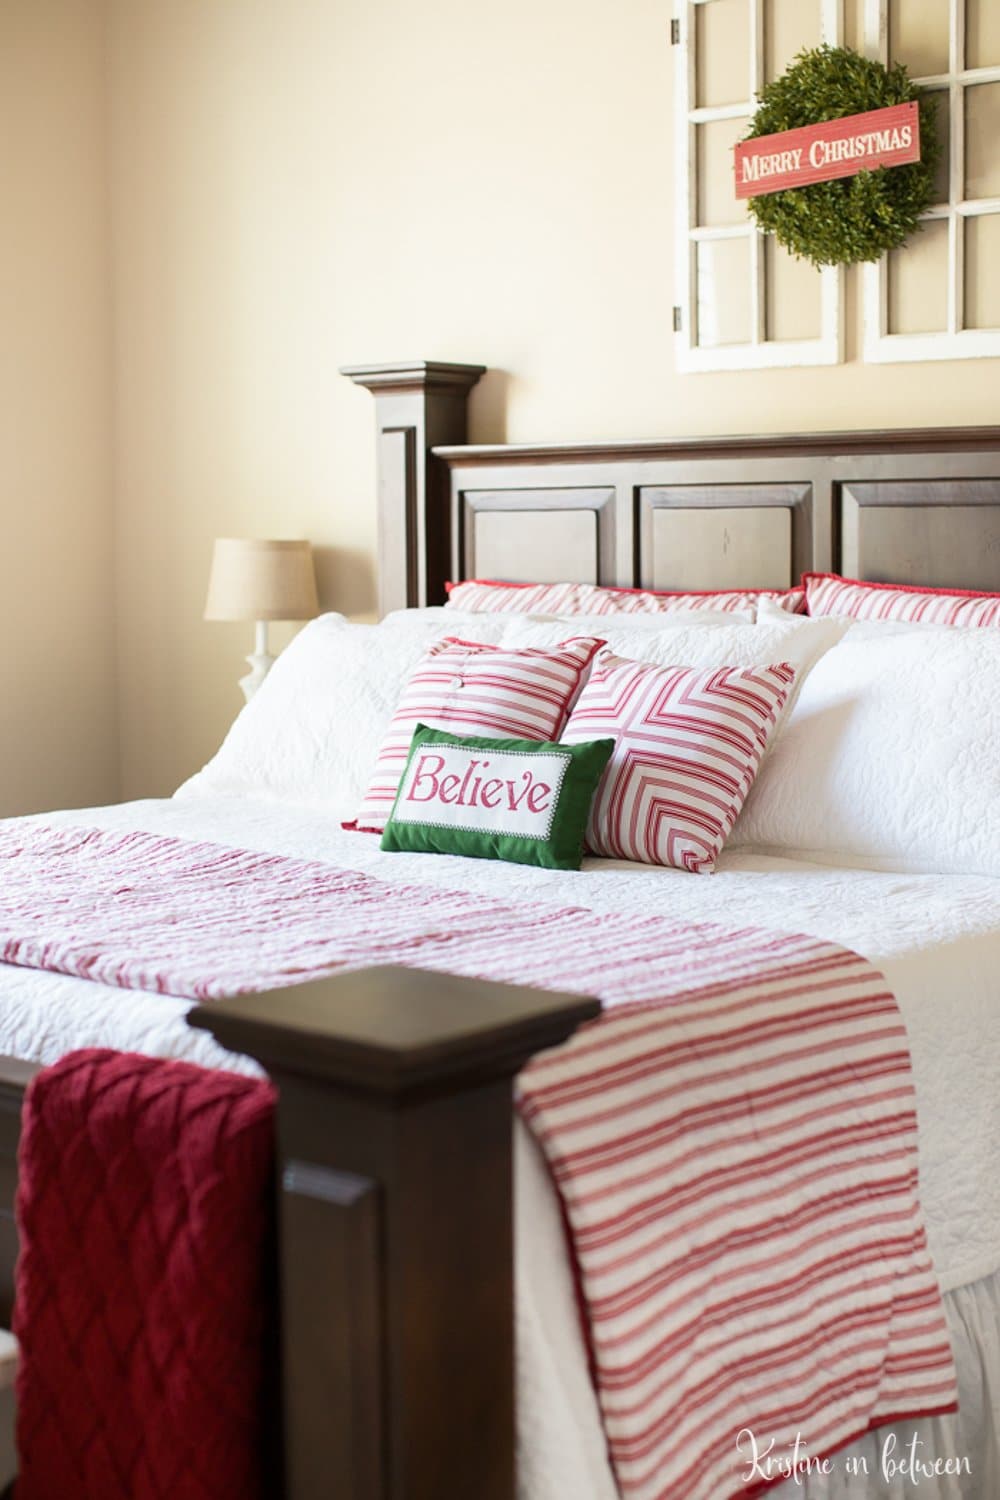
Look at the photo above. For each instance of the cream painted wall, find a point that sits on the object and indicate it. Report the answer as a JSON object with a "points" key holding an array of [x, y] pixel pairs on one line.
{"points": [[298, 184], [58, 725]]}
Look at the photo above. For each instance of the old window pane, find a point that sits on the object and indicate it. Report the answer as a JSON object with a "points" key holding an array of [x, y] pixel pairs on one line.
{"points": [[918, 35], [982, 284], [918, 281], [717, 200], [724, 292], [982, 33], [722, 53], [793, 308], [982, 141], [789, 26]]}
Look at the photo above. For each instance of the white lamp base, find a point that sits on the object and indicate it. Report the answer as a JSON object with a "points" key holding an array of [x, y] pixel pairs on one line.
{"points": [[261, 661]]}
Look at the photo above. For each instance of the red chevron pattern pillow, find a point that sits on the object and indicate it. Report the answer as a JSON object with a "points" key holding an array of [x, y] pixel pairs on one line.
{"points": [[688, 743], [471, 689], [829, 594], [484, 596]]}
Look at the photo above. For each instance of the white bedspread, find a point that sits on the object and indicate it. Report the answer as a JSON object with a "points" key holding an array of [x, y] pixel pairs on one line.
{"points": [[936, 938]]}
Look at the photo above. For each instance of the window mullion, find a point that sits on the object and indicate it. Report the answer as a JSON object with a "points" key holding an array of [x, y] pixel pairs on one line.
{"points": [[707, 233], [708, 114], [956, 169], [686, 180], [758, 265], [831, 22], [876, 25], [976, 207]]}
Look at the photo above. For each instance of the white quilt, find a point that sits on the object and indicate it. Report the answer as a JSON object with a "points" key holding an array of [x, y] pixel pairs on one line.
{"points": [[936, 939]]}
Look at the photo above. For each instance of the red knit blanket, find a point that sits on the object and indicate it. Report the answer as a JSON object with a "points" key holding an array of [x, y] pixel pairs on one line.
{"points": [[734, 1140], [144, 1199]]}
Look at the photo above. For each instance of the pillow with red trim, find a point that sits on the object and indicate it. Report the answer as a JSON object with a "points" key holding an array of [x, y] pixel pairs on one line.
{"points": [[469, 688], [524, 801], [829, 594], [688, 744], [488, 596]]}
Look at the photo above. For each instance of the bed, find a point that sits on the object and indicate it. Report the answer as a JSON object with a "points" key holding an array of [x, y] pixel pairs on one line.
{"points": [[915, 508]]}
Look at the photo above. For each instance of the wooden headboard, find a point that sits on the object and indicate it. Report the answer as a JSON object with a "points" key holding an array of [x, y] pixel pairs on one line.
{"points": [[918, 507]]}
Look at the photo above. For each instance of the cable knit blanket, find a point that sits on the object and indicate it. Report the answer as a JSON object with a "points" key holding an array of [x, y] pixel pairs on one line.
{"points": [[734, 1140], [144, 1207]]}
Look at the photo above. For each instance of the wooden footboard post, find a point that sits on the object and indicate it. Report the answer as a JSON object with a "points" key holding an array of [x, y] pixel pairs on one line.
{"points": [[14, 1079], [394, 1139]]}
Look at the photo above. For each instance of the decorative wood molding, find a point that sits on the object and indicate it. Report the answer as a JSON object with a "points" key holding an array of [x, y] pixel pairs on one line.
{"points": [[942, 531], [395, 1171], [578, 546], [415, 374], [776, 445], [729, 536], [808, 475], [418, 405], [395, 1032]]}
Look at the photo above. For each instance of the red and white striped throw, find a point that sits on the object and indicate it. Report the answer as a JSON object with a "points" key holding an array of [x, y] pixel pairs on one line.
{"points": [[688, 744], [484, 596], [829, 594], [467, 688], [734, 1139]]}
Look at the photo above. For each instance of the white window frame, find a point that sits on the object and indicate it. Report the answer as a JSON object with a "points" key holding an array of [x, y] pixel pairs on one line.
{"points": [[957, 341], [761, 353]]}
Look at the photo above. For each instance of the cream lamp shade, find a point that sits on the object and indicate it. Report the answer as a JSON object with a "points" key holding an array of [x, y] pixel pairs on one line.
{"points": [[260, 580]]}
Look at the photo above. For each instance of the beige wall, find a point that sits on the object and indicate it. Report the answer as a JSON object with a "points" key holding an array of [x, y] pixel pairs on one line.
{"points": [[58, 724], [299, 184], [303, 183]]}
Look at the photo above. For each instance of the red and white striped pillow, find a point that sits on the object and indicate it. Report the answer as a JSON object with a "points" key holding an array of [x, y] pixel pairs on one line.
{"points": [[688, 743], [471, 689], [829, 594], [485, 596]]}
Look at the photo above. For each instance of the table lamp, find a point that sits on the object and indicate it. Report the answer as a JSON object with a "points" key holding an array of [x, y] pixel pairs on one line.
{"points": [[260, 581]]}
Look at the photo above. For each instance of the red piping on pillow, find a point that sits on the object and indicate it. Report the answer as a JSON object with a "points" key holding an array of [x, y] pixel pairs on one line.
{"points": [[615, 588], [496, 583], [455, 640], [894, 588]]}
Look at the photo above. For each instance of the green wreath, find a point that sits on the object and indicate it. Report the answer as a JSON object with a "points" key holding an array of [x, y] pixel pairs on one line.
{"points": [[851, 218]]}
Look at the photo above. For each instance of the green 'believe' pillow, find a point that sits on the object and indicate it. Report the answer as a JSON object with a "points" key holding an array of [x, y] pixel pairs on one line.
{"points": [[526, 801]]}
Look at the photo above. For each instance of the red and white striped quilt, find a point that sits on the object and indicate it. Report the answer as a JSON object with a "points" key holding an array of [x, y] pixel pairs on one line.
{"points": [[734, 1139]]}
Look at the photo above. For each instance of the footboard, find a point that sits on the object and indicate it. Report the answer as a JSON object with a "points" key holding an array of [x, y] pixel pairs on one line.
{"points": [[395, 1223], [395, 1236]]}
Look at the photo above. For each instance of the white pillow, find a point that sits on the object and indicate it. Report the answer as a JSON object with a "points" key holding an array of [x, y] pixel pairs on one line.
{"points": [[456, 618], [650, 621], [891, 758], [453, 619], [688, 643], [769, 611], [311, 733]]}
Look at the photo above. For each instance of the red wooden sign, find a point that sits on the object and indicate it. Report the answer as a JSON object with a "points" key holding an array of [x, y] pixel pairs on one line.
{"points": [[835, 148]]}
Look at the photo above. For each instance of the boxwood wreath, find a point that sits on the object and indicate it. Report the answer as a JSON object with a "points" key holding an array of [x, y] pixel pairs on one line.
{"points": [[850, 218]]}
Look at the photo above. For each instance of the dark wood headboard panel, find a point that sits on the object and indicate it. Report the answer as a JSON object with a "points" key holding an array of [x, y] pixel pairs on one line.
{"points": [[901, 507]]}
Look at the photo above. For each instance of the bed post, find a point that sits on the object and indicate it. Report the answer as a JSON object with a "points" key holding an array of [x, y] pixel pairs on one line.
{"points": [[394, 1132], [14, 1079], [418, 405]]}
